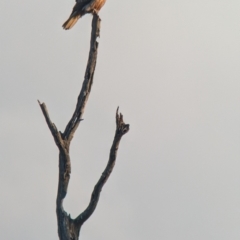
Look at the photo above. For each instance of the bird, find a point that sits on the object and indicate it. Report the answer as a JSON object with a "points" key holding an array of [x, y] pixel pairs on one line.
{"points": [[81, 8]]}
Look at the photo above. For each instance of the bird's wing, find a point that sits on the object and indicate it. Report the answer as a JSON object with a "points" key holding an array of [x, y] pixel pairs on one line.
{"points": [[80, 4], [86, 5], [83, 1]]}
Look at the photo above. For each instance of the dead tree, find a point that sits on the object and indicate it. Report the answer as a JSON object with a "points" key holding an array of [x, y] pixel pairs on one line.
{"points": [[68, 228]]}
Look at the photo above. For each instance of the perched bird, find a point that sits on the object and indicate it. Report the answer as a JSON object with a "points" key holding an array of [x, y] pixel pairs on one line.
{"points": [[81, 8]]}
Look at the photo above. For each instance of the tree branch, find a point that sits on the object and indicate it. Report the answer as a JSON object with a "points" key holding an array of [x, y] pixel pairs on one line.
{"points": [[68, 229], [121, 129], [64, 159], [88, 80], [56, 135]]}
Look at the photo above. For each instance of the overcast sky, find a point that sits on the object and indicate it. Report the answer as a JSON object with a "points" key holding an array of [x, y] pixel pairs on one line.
{"points": [[173, 67]]}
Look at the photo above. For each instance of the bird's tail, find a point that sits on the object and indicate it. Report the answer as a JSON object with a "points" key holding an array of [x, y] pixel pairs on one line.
{"points": [[71, 21]]}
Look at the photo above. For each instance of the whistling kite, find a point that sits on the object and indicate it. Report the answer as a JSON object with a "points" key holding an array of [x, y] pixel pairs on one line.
{"points": [[82, 7]]}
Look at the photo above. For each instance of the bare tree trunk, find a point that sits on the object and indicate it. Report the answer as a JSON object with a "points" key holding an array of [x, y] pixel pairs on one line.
{"points": [[68, 228]]}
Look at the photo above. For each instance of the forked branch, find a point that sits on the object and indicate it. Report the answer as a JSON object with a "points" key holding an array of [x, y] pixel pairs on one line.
{"points": [[68, 228]]}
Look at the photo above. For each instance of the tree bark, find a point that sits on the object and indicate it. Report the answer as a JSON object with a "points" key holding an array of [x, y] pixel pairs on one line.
{"points": [[68, 228]]}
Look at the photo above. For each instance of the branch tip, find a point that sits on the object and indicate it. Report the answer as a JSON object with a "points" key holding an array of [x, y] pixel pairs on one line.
{"points": [[122, 128]]}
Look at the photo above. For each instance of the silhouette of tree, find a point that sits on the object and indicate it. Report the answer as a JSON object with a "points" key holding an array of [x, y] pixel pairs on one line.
{"points": [[68, 228]]}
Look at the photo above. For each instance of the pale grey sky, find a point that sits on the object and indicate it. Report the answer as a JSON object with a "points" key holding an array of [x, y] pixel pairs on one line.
{"points": [[173, 68]]}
